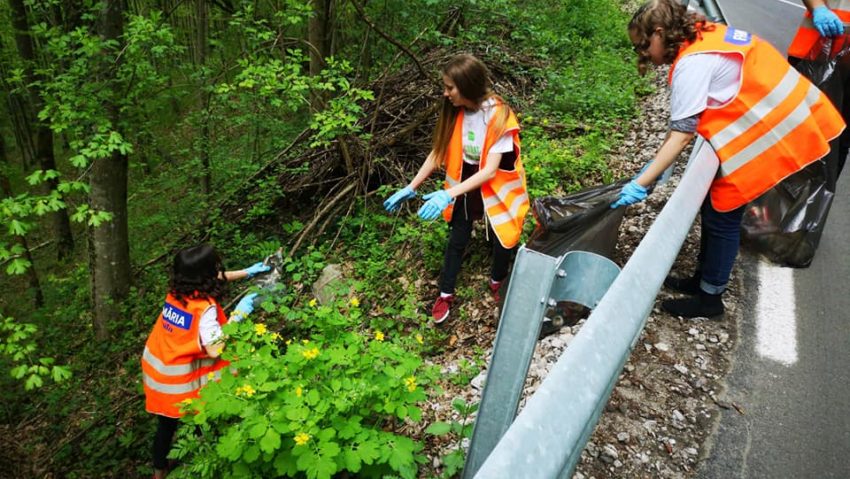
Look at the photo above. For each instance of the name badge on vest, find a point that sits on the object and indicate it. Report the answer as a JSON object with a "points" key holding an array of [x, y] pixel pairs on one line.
{"points": [[176, 317], [738, 37]]}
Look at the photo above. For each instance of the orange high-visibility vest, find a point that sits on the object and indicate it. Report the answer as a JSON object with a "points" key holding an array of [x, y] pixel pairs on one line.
{"points": [[807, 35], [778, 123], [174, 363], [505, 195]]}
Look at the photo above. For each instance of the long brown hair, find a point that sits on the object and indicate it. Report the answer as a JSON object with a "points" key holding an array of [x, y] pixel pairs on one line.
{"points": [[472, 80], [679, 25]]}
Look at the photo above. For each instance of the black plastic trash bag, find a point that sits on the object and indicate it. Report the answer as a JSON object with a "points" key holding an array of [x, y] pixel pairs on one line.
{"points": [[785, 224], [582, 221]]}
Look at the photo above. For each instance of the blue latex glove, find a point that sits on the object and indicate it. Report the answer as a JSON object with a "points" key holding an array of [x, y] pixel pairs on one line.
{"points": [[827, 22], [256, 269], [394, 202], [435, 203], [630, 194], [243, 308]]}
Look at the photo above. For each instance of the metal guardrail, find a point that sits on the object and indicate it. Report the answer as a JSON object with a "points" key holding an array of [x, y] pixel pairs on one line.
{"points": [[538, 282], [546, 439], [712, 11]]}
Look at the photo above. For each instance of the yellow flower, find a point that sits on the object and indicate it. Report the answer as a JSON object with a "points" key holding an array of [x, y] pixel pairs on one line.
{"points": [[288, 342], [419, 339], [305, 341], [298, 391], [277, 336], [410, 382], [186, 401], [310, 353], [379, 336], [245, 390], [210, 376], [302, 438], [312, 303], [354, 302], [260, 329]]}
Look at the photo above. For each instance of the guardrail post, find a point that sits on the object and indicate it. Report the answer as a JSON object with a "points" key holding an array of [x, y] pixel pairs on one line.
{"points": [[537, 281]]}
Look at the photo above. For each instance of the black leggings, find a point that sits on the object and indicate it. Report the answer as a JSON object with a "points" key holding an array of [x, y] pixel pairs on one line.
{"points": [[461, 231], [162, 440]]}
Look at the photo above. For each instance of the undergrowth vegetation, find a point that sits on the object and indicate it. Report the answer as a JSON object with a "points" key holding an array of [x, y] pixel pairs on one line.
{"points": [[317, 387]]}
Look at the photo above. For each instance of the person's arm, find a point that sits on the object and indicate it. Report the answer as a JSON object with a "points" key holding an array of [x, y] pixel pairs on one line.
{"points": [[234, 275], [428, 167], [210, 332], [813, 4], [674, 143]]}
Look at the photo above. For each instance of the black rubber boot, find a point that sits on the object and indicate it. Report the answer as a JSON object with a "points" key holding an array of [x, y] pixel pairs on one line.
{"points": [[703, 305], [684, 285]]}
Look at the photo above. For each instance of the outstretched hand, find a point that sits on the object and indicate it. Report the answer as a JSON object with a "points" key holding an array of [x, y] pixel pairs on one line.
{"points": [[630, 194], [243, 308], [827, 22], [256, 269], [435, 203], [393, 203]]}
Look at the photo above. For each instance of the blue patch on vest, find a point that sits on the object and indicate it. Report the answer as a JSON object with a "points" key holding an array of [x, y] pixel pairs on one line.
{"points": [[738, 37], [176, 317]]}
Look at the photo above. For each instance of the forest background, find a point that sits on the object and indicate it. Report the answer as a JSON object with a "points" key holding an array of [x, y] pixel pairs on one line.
{"points": [[133, 128]]}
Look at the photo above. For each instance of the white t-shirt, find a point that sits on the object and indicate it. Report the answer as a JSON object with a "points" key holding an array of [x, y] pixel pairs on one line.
{"points": [[704, 80], [475, 129], [209, 328]]}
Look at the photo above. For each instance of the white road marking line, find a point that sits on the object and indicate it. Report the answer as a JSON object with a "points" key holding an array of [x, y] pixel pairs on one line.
{"points": [[776, 327]]}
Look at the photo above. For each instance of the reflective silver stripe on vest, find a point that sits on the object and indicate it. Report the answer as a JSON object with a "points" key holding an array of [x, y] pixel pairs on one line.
{"points": [[175, 369], [451, 181], [183, 388], [502, 195], [774, 136], [518, 202], [165, 369], [757, 113]]}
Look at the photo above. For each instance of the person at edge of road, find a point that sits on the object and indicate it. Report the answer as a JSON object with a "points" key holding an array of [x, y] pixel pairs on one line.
{"points": [[824, 19], [476, 141], [764, 120], [183, 349]]}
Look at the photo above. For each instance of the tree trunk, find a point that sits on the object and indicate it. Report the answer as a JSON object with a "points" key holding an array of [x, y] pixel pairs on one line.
{"points": [[44, 135], [109, 255], [201, 60], [317, 35], [6, 189]]}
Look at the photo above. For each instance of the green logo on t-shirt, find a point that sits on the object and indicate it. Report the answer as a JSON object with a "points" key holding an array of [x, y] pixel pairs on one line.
{"points": [[471, 136]]}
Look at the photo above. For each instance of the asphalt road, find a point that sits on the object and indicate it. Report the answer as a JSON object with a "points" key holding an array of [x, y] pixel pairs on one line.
{"points": [[796, 412]]}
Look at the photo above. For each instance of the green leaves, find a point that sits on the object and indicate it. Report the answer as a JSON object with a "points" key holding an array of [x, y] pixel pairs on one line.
{"points": [[439, 428], [17, 345]]}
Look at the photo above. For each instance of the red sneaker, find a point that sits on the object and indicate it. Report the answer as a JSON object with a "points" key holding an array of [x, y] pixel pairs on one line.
{"points": [[494, 290], [440, 311]]}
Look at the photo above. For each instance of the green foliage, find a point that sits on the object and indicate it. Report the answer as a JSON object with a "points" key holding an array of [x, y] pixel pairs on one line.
{"points": [[558, 166], [315, 406], [18, 346], [456, 430]]}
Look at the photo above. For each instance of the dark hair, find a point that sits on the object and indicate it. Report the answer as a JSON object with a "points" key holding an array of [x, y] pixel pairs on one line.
{"points": [[197, 273], [472, 79], [679, 25]]}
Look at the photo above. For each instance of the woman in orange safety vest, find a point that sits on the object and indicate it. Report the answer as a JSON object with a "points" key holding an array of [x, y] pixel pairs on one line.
{"points": [[824, 19], [764, 120], [182, 351], [477, 143]]}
